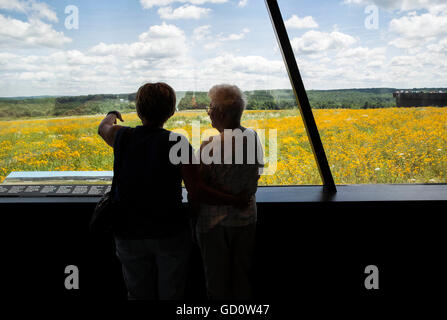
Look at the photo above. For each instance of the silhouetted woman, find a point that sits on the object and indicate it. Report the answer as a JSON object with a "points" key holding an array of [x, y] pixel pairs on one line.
{"points": [[151, 228]]}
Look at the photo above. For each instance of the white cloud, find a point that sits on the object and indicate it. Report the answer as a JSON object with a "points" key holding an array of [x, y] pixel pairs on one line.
{"points": [[31, 8], [213, 42], [413, 69], [102, 69], [404, 61], [162, 31], [374, 67], [343, 65], [201, 32], [248, 72], [296, 22], [5, 56], [39, 76], [256, 65], [62, 69], [416, 30], [75, 72], [421, 34], [403, 43], [440, 47], [420, 26], [12, 5], [138, 64], [362, 56], [363, 53], [160, 41], [212, 45], [43, 11], [242, 3], [163, 53], [184, 12], [235, 36], [147, 4], [316, 42], [15, 32], [403, 5]]}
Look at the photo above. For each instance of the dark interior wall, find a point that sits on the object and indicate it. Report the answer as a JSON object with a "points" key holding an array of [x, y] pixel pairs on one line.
{"points": [[307, 249]]}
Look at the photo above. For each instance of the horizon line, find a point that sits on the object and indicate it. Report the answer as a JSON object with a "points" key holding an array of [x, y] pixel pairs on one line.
{"points": [[178, 91]]}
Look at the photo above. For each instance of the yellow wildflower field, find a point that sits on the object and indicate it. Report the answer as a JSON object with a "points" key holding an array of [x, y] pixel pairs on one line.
{"points": [[395, 145]]}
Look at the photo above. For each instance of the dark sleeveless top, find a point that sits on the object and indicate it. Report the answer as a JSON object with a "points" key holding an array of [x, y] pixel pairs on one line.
{"points": [[148, 187]]}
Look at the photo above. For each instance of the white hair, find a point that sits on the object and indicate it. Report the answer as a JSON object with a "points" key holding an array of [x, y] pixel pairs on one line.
{"points": [[229, 99]]}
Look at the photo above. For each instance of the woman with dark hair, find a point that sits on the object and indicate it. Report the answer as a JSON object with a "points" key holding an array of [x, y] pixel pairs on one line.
{"points": [[151, 228]]}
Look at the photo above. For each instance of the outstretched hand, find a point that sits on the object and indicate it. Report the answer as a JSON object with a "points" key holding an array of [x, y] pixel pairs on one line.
{"points": [[108, 128], [118, 116]]}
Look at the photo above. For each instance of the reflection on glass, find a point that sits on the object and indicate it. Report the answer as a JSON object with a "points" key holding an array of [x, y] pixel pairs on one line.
{"points": [[63, 66], [376, 73]]}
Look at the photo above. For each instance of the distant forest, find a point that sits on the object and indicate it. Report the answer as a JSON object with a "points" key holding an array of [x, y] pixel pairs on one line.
{"points": [[284, 99], [31, 107], [319, 99], [13, 108]]}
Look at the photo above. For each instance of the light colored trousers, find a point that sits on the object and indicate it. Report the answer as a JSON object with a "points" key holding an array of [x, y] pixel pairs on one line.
{"points": [[227, 254]]}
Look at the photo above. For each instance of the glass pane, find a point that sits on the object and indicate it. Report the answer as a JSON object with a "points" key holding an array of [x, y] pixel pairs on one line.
{"points": [[376, 76], [63, 66]]}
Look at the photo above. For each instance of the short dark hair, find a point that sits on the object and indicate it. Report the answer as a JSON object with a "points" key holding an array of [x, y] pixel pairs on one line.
{"points": [[155, 102]]}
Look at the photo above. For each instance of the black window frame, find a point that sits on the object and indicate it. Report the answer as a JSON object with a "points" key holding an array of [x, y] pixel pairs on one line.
{"points": [[301, 97]]}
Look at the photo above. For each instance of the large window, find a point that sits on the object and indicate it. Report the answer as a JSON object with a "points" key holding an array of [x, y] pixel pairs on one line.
{"points": [[64, 64], [71, 63], [376, 75]]}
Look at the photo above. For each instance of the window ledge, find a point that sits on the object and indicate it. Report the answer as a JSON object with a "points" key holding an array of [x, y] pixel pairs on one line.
{"points": [[303, 194], [354, 193]]}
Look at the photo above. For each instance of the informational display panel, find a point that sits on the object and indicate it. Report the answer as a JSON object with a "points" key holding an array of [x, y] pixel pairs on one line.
{"points": [[53, 190]]}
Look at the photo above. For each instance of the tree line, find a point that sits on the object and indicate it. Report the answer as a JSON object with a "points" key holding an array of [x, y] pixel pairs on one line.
{"points": [[285, 99], [13, 108]]}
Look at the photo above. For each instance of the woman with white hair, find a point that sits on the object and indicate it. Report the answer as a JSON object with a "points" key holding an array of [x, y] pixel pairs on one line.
{"points": [[230, 162]]}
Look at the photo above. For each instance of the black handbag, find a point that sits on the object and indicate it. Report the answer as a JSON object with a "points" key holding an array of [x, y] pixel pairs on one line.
{"points": [[105, 211], [102, 218]]}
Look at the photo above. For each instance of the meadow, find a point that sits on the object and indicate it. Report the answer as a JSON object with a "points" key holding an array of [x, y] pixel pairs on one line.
{"points": [[364, 146]]}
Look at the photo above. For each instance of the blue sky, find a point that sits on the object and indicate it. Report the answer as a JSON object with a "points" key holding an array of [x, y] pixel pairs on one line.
{"points": [[194, 44]]}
